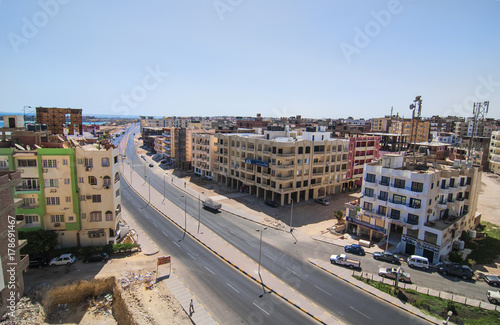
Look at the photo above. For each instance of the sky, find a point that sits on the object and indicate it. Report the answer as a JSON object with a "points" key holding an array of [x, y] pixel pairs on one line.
{"points": [[318, 59]]}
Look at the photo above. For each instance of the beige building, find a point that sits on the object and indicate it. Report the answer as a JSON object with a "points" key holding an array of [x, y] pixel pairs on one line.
{"points": [[380, 124], [100, 198], [420, 129], [282, 166], [494, 157], [204, 154]]}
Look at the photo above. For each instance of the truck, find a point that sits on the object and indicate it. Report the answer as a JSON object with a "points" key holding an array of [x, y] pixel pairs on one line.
{"points": [[211, 205], [343, 260]]}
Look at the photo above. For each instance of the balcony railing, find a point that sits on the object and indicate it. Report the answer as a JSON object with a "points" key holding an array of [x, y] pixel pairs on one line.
{"points": [[370, 180], [383, 198]]}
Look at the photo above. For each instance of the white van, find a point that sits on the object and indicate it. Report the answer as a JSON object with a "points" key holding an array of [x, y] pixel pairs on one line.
{"points": [[418, 261]]}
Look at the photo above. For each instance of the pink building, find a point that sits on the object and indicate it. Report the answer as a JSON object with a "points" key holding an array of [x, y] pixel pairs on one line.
{"points": [[362, 150]]}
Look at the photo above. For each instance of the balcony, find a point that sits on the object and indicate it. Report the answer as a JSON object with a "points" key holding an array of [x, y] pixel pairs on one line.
{"points": [[280, 166], [284, 177], [291, 154], [382, 198], [414, 205], [370, 180], [27, 188]]}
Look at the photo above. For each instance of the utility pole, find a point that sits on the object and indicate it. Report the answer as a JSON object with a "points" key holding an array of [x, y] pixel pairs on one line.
{"points": [[480, 109], [199, 210]]}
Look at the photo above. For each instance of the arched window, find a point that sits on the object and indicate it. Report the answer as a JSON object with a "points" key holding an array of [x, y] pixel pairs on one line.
{"points": [[118, 209], [109, 216], [106, 181], [117, 177]]}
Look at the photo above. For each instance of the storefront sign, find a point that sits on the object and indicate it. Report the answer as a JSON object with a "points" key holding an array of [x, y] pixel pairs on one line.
{"points": [[420, 244], [257, 162], [366, 225]]}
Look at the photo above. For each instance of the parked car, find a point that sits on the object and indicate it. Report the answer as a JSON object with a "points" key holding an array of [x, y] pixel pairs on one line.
{"points": [[418, 261], [342, 259], [386, 256], [96, 257], [272, 204], [391, 273], [492, 280], [64, 259], [493, 296], [38, 261], [462, 271], [354, 249], [322, 201]]}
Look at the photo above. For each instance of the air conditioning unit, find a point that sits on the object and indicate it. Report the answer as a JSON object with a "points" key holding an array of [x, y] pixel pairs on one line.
{"points": [[88, 168], [89, 197], [106, 187], [53, 190], [45, 170], [57, 224]]}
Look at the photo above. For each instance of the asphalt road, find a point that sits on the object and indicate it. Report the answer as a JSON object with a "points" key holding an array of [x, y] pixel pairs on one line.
{"points": [[228, 294], [287, 260]]}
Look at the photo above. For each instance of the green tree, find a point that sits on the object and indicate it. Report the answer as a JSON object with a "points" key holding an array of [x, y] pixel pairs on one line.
{"points": [[339, 214], [39, 242]]}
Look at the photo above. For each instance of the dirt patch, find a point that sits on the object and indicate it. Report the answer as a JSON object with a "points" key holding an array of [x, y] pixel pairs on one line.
{"points": [[123, 292], [488, 203]]}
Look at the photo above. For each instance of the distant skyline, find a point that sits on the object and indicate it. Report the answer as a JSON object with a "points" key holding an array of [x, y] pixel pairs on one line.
{"points": [[317, 59]]}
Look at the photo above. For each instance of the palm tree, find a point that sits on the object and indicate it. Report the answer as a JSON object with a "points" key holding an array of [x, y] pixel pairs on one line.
{"points": [[339, 214]]}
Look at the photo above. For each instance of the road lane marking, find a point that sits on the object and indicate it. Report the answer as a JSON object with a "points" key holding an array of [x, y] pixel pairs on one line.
{"points": [[289, 269], [192, 256], [232, 287], [164, 233], [359, 312], [323, 290], [209, 270], [261, 308], [176, 244]]}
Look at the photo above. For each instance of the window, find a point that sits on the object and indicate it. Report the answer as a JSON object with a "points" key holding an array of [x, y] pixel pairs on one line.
{"points": [[109, 216], [51, 200], [96, 198], [92, 180], [369, 192], [82, 197], [412, 219], [26, 163], [31, 219], [469, 180], [89, 162], [417, 187], [395, 214], [415, 203], [382, 210], [462, 181], [383, 196], [80, 179], [71, 218], [53, 182], [68, 198], [4, 164], [385, 180], [49, 163], [29, 201], [105, 162], [30, 184], [430, 237], [115, 158], [370, 178], [117, 193], [368, 206], [412, 233], [399, 183], [66, 181], [65, 161], [95, 216], [399, 199], [106, 181], [117, 177], [57, 218], [452, 182]]}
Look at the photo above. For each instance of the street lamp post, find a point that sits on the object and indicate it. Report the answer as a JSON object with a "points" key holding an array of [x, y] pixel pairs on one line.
{"points": [[291, 215], [199, 210], [388, 232], [185, 216], [260, 254]]}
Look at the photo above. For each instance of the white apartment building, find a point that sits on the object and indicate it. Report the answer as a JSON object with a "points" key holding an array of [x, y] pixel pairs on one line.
{"points": [[282, 166], [494, 157], [426, 206]]}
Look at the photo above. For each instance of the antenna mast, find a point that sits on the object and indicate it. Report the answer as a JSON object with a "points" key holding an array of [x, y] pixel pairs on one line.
{"points": [[479, 109]]}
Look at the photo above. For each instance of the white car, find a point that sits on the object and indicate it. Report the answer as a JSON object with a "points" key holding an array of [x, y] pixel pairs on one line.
{"points": [[64, 259]]}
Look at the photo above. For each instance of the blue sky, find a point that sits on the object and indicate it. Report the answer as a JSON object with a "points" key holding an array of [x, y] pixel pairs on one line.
{"points": [[319, 59]]}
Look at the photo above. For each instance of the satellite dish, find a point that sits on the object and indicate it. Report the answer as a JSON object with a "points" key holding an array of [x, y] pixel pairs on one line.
{"points": [[19, 147], [28, 147], [37, 146]]}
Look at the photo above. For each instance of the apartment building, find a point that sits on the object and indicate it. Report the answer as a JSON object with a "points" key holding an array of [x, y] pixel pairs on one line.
{"points": [[98, 176], [494, 156], [381, 124], [420, 129], [391, 142], [12, 264], [424, 206], [282, 166], [362, 149], [57, 119], [446, 137], [150, 122], [204, 154], [167, 144], [149, 135], [66, 190]]}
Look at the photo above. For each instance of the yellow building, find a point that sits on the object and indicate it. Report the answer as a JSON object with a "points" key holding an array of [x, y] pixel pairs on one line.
{"points": [[494, 158]]}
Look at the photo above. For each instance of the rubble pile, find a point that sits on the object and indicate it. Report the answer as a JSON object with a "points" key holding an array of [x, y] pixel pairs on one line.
{"points": [[101, 305], [132, 279]]}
